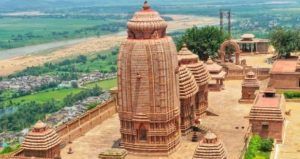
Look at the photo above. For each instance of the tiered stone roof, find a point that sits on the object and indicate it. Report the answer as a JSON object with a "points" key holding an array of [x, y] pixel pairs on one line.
{"points": [[41, 137], [268, 106], [192, 62], [187, 83], [215, 70], [250, 80], [210, 147]]}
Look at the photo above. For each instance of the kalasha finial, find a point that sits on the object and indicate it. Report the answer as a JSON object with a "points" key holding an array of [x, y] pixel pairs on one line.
{"points": [[146, 6]]}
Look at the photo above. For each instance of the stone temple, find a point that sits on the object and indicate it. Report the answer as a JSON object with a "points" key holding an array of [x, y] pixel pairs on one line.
{"points": [[148, 93]]}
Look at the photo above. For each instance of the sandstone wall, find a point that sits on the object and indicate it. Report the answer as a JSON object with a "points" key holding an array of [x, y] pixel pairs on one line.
{"points": [[239, 74], [79, 126]]}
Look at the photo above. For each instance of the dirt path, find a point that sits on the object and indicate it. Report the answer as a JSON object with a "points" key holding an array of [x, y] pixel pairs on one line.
{"points": [[91, 45]]}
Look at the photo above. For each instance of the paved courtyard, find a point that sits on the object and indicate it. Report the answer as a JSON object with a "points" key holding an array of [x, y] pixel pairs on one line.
{"points": [[290, 149], [230, 125]]}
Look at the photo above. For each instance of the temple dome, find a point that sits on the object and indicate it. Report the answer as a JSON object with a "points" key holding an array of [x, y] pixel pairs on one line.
{"points": [[146, 24], [187, 83], [41, 137], [210, 147], [192, 62]]}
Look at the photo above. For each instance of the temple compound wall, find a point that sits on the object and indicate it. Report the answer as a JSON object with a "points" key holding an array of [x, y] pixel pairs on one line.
{"points": [[78, 127], [74, 129]]}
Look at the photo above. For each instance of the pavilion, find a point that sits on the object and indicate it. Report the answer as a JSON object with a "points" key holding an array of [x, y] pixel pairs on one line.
{"points": [[249, 44]]}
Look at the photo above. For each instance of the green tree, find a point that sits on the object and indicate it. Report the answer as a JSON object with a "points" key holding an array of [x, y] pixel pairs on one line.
{"points": [[285, 41], [204, 41]]}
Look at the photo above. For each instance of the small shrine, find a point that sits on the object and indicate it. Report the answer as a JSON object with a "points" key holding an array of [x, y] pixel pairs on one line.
{"points": [[249, 86], [217, 75]]}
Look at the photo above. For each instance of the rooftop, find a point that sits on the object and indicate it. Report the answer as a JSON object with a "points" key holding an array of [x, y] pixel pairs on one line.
{"points": [[284, 66], [264, 101]]}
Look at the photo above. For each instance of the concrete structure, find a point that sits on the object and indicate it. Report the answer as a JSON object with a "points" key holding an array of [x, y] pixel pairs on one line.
{"points": [[148, 93], [40, 142], [267, 115], [249, 87], [249, 44], [210, 147], [285, 74], [217, 74], [201, 75]]}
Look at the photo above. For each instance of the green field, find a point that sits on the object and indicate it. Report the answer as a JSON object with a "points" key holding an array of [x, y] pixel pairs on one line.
{"points": [[106, 84], [60, 94], [23, 31]]}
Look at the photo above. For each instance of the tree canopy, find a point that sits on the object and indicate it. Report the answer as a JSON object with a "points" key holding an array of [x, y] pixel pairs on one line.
{"points": [[204, 41], [285, 41]]}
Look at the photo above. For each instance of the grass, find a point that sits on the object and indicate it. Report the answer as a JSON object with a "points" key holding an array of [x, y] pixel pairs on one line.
{"points": [[259, 148], [105, 84], [60, 94], [44, 96]]}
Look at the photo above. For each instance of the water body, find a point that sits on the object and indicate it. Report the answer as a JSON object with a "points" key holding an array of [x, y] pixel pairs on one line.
{"points": [[27, 50]]}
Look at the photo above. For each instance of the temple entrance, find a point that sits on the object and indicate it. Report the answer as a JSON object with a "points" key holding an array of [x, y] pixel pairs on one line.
{"points": [[230, 52]]}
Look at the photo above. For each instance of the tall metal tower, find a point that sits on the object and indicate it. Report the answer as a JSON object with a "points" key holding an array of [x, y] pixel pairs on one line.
{"points": [[227, 14]]}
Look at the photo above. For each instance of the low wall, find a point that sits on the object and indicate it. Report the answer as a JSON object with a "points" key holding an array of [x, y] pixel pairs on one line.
{"points": [[82, 124], [239, 74]]}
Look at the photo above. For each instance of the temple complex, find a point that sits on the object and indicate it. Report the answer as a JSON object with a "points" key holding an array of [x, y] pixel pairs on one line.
{"points": [[148, 90], [40, 142], [249, 86], [249, 44], [210, 147], [267, 115], [217, 75], [202, 77], [285, 74]]}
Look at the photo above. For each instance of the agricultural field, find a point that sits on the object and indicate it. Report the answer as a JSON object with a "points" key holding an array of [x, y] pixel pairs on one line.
{"points": [[23, 31], [30, 24]]}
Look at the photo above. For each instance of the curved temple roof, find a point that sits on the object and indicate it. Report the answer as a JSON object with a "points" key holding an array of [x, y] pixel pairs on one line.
{"points": [[192, 62], [187, 83]]}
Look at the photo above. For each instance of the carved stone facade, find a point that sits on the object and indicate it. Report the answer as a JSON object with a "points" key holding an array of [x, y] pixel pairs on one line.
{"points": [[267, 115], [249, 86], [202, 77], [148, 93]]}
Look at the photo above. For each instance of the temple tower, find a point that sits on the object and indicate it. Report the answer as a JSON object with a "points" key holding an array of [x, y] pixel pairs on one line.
{"points": [[148, 93], [210, 147], [201, 75], [41, 142], [188, 89]]}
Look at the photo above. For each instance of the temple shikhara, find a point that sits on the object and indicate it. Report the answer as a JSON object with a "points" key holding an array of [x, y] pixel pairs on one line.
{"points": [[193, 88], [148, 90]]}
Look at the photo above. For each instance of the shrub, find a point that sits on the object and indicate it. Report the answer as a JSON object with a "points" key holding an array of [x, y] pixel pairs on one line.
{"points": [[266, 145], [292, 94]]}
